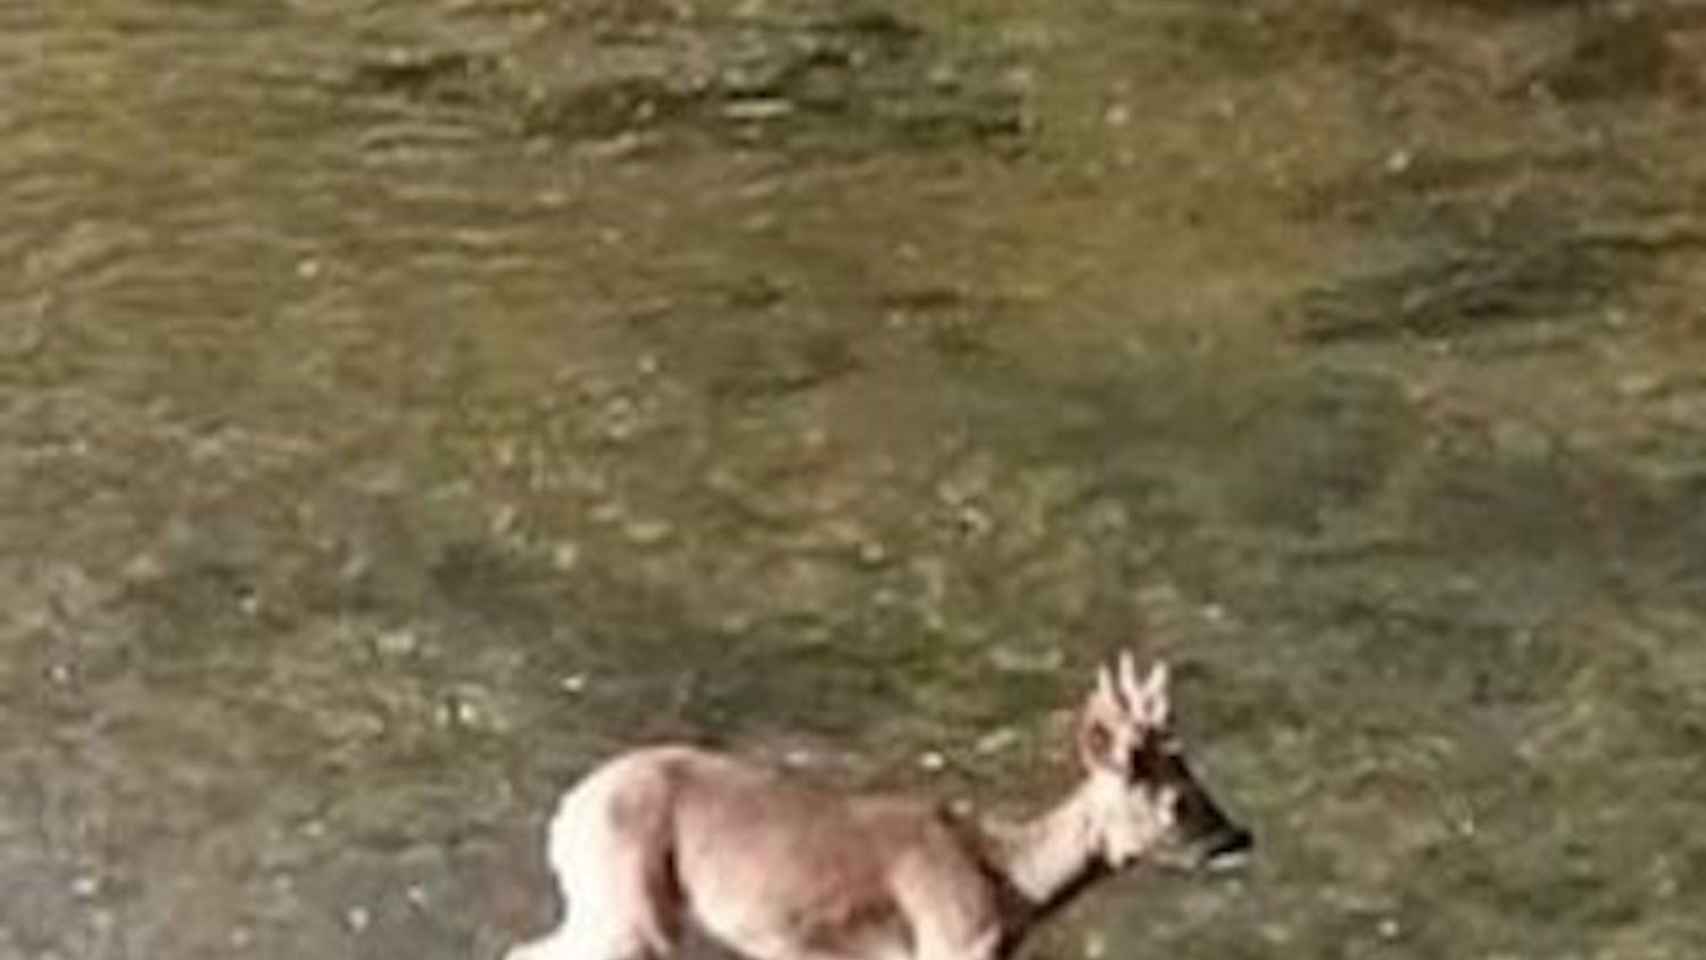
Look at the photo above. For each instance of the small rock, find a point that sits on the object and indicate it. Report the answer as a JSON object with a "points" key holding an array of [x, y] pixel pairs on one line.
{"points": [[240, 938], [400, 642], [86, 886], [308, 268], [932, 761], [1637, 385], [565, 556], [59, 674], [1275, 933], [574, 684], [459, 711], [504, 519], [996, 741], [1389, 929], [417, 896], [357, 919], [1095, 945], [624, 144], [621, 420], [357, 566], [144, 568], [872, 553], [974, 522], [758, 108], [647, 532], [1399, 161]]}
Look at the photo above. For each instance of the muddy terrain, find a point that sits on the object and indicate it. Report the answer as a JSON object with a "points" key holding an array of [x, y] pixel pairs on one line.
{"points": [[403, 404]]}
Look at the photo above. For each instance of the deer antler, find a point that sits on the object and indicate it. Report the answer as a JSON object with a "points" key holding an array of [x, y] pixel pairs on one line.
{"points": [[1108, 698], [1145, 699]]}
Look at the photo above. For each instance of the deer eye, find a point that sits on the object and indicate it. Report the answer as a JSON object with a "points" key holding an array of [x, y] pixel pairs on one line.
{"points": [[1141, 765]]}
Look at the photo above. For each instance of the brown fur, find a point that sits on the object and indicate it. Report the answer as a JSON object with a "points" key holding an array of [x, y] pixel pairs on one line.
{"points": [[779, 870]]}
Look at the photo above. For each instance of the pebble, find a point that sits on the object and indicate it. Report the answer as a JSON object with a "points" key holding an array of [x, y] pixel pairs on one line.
{"points": [[758, 108], [573, 684], [647, 532], [932, 761], [566, 556], [1275, 933], [357, 919], [466, 714], [1636, 385], [624, 144], [144, 568], [400, 642], [996, 741], [974, 522]]}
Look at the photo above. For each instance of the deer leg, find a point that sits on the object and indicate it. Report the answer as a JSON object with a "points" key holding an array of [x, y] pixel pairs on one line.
{"points": [[623, 901]]}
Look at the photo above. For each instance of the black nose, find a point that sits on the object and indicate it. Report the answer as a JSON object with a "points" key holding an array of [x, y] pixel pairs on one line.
{"points": [[1229, 847]]}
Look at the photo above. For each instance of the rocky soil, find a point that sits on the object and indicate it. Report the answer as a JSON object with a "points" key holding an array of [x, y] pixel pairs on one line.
{"points": [[405, 404]]}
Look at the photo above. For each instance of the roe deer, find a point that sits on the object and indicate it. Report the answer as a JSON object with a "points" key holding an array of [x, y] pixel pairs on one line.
{"points": [[664, 836]]}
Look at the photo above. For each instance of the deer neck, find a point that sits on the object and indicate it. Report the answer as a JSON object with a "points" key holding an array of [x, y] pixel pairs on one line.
{"points": [[1049, 859]]}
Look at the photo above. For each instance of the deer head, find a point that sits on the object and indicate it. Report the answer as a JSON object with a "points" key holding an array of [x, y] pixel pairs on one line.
{"points": [[1144, 801]]}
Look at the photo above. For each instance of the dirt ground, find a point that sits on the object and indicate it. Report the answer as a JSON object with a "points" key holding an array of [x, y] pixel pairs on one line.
{"points": [[403, 404]]}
